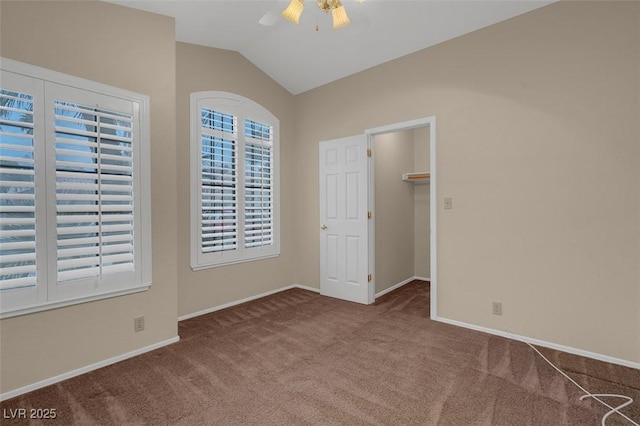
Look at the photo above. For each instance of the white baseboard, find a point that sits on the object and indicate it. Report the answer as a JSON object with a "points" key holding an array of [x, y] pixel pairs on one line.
{"points": [[86, 369], [246, 299], [305, 287], [400, 284], [536, 342], [278, 290], [113, 360]]}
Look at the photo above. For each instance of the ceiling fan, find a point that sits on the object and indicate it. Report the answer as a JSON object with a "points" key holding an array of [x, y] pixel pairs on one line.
{"points": [[295, 8]]}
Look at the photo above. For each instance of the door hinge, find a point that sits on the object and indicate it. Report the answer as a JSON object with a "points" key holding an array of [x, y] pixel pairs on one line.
{"points": [[369, 152], [369, 214], [369, 278]]}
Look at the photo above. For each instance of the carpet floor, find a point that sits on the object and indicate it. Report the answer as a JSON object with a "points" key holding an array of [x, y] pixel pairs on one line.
{"points": [[298, 358]]}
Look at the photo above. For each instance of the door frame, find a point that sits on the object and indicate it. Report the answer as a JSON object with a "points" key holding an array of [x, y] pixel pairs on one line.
{"points": [[429, 122]]}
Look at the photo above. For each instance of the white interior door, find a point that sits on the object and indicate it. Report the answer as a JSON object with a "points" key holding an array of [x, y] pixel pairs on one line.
{"points": [[344, 263]]}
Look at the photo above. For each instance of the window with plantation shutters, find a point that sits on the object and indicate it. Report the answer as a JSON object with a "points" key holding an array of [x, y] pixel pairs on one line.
{"points": [[234, 197], [74, 190]]}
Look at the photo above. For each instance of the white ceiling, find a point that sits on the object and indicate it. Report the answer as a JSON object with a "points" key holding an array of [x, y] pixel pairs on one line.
{"points": [[300, 58]]}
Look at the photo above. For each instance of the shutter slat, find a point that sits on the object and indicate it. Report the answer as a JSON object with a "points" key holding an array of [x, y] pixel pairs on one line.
{"points": [[108, 221], [218, 222], [119, 257], [93, 218], [118, 268], [118, 248], [115, 168], [71, 131], [17, 270], [219, 233], [87, 208], [112, 157], [78, 262], [19, 245], [106, 227], [108, 137], [16, 183], [14, 258], [79, 251], [21, 232], [16, 147], [73, 153], [16, 209], [11, 283], [20, 124], [77, 241], [73, 164], [61, 175], [75, 142], [75, 274], [117, 228], [78, 208], [74, 187], [20, 160]]}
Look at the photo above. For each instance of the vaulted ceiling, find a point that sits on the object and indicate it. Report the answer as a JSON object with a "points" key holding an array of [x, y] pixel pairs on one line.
{"points": [[300, 58]]}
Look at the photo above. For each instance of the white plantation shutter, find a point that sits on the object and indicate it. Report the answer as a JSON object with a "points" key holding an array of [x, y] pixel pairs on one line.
{"points": [[234, 180], [74, 190], [17, 191], [219, 186], [94, 191], [258, 184]]}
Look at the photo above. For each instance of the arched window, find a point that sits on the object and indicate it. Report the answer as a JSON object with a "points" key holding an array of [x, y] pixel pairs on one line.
{"points": [[234, 180]]}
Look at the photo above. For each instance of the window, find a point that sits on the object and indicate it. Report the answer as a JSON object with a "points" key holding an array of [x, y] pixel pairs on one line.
{"points": [[234, 179], [74, 190]]}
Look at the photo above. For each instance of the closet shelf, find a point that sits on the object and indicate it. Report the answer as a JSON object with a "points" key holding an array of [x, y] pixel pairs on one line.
{"points": [[417, 177]]}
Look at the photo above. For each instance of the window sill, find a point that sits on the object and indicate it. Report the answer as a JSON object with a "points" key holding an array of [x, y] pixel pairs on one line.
{"points": [[229, 262], [73, 301]]}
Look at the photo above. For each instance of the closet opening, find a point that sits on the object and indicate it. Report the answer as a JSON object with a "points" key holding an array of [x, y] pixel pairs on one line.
{"points": [[402, 199]]}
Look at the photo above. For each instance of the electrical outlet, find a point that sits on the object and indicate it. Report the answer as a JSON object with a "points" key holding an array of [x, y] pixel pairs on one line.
{"points": [[448, 203], [497, 308], [138, 324]]}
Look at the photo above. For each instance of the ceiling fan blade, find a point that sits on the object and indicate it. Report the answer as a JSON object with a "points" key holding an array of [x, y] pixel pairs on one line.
{"points": [[357, 14], [273, 15]]}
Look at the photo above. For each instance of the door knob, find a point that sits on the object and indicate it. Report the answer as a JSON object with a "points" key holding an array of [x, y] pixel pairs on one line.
{"points": [[323, 226]]}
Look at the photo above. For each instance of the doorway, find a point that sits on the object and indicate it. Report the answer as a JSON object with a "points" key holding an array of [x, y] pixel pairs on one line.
{"points": [[408, 192]]}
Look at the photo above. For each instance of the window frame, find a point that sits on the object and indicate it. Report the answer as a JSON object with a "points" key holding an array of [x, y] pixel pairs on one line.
{"points": [[242, 109], [47, 294]]}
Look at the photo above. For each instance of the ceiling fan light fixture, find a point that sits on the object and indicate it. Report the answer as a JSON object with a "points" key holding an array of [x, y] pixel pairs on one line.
{"points": [[293, 11], [340, 18]]}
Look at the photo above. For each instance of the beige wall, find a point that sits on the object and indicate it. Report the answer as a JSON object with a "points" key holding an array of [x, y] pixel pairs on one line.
{"points": [[135, 51], [202, 69], [538, 145], [394, 209], [421, 198]]}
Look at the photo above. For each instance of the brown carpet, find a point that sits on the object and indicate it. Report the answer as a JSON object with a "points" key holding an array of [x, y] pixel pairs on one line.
{"points": [[297, 358]]}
